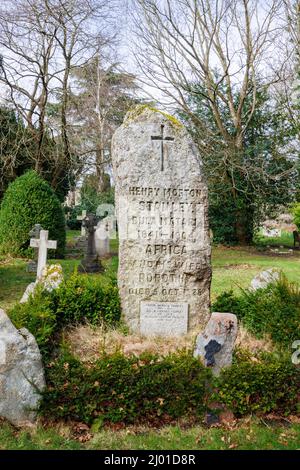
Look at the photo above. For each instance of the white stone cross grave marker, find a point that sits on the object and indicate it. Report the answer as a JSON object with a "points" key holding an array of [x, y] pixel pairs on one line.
{"points": [[81, 218], [43, 244]]}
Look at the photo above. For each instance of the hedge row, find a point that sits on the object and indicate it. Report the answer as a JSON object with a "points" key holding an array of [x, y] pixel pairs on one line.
{"points": [[118, 389]]}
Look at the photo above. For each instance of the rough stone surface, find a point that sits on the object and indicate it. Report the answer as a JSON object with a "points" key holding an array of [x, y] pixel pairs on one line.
{"points": [[28, 292], [214, 346], [264, 278], [21, 373], [161, 203]]}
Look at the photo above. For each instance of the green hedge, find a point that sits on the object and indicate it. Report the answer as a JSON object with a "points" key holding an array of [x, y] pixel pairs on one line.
{"points": [[271, 384], [155, 390], [30, 200], [78, 299], [129, 390], [274, 310]]}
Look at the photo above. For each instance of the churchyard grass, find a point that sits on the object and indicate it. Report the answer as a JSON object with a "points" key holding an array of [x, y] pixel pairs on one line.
{"points": [[251, 435], [235, 267], [286, 239]]}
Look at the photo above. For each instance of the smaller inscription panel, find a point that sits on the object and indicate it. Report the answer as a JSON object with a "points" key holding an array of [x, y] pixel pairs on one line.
{"points": [[163, 318]]}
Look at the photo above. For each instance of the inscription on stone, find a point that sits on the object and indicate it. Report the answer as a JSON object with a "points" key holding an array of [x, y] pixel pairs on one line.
{"points": [[162, 211], [164, 318]]}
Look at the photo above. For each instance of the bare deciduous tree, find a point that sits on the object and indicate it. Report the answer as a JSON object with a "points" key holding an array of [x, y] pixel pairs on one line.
{"points": [[223, 50], [41, 42]]}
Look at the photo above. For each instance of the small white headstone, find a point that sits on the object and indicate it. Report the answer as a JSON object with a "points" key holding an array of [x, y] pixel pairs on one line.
{"points": [[164, 318], [43, 244]]}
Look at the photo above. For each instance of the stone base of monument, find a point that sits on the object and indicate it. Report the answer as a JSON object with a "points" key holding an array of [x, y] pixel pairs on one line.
{"points": [[90, 265], [31, 267]]}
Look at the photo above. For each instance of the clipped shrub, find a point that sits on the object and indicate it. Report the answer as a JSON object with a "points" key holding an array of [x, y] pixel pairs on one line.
{"points": [[38, 316], [130, 390], [296, 214], [78, 299], [30, 200], [274, 310], [154, 390], [83, 298], [270, 384]]}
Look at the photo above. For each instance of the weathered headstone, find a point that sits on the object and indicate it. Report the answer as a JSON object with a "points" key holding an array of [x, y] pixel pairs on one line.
{"points": [[43, 244], [34, 233], [164, 242], [21, 373], [102, 239], [264, 278], [214, 346], [91, 263], [106, 231], [81, 218]]}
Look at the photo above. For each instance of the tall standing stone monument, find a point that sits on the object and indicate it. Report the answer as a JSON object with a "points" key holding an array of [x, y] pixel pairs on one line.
{"points": [[164, 245]]}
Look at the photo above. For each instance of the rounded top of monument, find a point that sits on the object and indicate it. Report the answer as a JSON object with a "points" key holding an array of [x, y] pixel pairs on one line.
{"points": [[145, 112]]}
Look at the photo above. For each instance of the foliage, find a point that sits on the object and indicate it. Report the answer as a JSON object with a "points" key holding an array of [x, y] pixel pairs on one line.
{"points": [[72, 221], [83, 298], [38, 316], [78, 299], [91, 198], [274, 310], [268, 384], [14, 157], [120, 389], [19, 148], [296, 214], [29, 200], [246, 183], [153, 389]]}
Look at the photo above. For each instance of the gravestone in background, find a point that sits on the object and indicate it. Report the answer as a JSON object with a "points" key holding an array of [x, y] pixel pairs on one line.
{"points": [[164, 244], [32, 264], [81, 218], [90, 263]]}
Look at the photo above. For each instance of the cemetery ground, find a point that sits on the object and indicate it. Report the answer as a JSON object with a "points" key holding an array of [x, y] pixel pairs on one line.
{"points": [[233, 268]]}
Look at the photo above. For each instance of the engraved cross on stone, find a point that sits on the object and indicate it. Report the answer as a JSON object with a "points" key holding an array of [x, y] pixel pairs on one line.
{"points": [[162, 140], [43, 244]]}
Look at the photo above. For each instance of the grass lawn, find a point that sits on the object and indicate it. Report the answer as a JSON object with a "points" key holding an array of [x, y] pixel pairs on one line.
{"points": [[286, 239], [233, 268], [246, 436]]}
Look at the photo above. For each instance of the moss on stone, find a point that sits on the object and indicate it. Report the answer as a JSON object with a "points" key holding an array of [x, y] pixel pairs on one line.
{"points": [[138, 110]]}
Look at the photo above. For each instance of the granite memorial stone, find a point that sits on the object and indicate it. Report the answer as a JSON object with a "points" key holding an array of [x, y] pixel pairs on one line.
{"points": [[21, 373], [164, 240], [214, 346]]}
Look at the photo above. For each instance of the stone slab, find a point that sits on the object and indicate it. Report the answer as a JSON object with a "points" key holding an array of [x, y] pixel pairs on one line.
{"points": [[164, 318]]}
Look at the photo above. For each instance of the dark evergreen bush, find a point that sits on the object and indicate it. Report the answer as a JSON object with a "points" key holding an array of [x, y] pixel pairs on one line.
{"points": [[274, 310], [131, 390], [30, 200], [269, 384]]}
